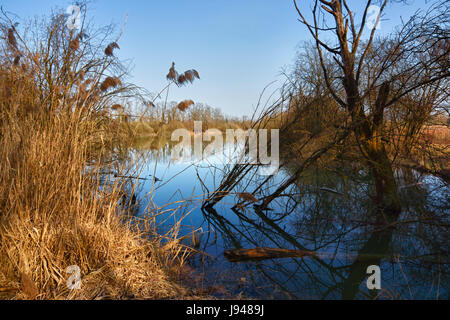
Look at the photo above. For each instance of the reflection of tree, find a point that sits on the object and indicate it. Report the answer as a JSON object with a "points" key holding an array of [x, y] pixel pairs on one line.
{"points": [[371, 253], [346, 237]]}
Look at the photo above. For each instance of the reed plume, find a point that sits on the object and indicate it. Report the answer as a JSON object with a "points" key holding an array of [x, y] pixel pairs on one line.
{"points": [[110, 82], [109, 51], [188, 77], [17, 60], [173, 74], [75, 44], [184, 105], [181, 79], [184, 78], [12, 38]]}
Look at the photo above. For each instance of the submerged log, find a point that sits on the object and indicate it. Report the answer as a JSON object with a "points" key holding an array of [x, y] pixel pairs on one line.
{"points": [[258, 254], [236, 255]]}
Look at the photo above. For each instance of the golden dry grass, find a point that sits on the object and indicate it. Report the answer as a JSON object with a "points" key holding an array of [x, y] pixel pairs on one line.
{"points": [[55, 214], [437, 134]]}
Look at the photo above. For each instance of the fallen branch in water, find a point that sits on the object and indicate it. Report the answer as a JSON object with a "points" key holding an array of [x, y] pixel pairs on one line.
{"points": [[235, 255], [257, 254]]}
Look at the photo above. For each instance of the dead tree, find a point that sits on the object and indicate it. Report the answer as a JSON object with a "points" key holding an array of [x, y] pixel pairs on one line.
{"points": [[366, 87]]}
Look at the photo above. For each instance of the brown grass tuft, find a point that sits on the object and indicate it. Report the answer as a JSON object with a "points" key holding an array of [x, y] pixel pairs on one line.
{"points": [[28, 287]]}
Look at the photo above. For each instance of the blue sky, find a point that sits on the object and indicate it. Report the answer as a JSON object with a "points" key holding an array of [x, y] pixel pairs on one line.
{"points": [[238, 46]]}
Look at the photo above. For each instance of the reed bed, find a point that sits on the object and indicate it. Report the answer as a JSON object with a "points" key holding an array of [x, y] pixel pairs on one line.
{"points": [[55, 213], [57, 209]]}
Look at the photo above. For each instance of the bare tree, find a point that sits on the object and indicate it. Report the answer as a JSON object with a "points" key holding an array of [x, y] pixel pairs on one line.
{"points": [[367, 83]]}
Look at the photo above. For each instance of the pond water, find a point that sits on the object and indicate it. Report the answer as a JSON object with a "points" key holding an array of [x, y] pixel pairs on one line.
{"points": [[328, 211]]}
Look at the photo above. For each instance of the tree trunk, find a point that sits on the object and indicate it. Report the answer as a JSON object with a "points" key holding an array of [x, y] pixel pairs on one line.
{"points": [[369, 135], [386, 197]]}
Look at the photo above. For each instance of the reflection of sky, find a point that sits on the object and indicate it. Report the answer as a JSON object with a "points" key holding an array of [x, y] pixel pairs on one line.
{"points": [[315, 224], [180, 185]]}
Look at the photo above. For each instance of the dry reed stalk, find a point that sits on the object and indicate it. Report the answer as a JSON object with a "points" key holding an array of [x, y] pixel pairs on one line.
{"points": [[184, 78]]}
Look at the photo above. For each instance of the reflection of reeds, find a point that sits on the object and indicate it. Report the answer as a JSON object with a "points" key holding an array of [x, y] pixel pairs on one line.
{"points": [[247, 197]]}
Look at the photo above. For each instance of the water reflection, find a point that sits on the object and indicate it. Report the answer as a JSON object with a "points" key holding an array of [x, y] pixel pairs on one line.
{"points": [[327, 211]]}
